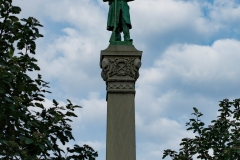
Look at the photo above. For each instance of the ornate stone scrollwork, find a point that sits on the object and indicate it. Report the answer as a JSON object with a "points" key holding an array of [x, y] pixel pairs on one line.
{"points": [[137, 65], [105, 68], [120, 67], [121, 86], [123, 67]]}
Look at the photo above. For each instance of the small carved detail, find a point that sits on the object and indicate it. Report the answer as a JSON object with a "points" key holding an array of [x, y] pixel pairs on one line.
{"points": [[121, 67], [121, 86], [105, 68]]}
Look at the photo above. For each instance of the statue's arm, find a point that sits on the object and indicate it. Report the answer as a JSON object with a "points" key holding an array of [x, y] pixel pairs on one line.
{"points": [[105, 0]]}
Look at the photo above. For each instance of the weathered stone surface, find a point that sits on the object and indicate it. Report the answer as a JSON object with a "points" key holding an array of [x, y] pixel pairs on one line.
{"points": [[121, 143], [120, 69]]}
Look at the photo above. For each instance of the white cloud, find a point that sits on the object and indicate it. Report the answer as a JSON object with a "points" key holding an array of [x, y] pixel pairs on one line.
{"points": [[199, 64], [171, 21], [187, 76], [196, 66], [163, 15], [71, 61], [86, 16], [94, 109]]}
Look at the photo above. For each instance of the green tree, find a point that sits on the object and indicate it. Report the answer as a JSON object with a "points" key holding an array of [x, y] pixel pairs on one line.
{"points": [[25, 134], [222, 137]]}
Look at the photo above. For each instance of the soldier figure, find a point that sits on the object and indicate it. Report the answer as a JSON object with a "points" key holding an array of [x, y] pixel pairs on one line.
{"points": [[119, 20]]}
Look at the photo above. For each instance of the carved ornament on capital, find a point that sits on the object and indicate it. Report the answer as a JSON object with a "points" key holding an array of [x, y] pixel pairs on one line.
{"points": [[120, 67]]}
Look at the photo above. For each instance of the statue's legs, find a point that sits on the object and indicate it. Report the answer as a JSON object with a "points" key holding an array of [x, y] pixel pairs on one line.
{"points": [[116, 35], [121, 26], [126, 32], [125, 28]]}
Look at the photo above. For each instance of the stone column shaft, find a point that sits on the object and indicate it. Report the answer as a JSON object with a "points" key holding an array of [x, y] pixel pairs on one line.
{"points": [[121, 143], [120, 65]]}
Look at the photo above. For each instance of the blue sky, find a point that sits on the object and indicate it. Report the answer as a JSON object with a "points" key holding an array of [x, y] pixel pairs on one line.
{"points": [[191, 52]]}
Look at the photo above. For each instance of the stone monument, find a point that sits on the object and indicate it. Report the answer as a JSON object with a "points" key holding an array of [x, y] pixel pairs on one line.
{"points": [[120, 64]]}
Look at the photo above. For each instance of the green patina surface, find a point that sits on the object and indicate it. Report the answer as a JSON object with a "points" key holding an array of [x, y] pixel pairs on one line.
{"points": [[119, 21]]}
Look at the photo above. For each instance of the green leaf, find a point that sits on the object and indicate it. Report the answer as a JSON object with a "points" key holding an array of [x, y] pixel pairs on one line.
{"points": [[193, 120], [69, 134], [77, 106], [195, 109], [71, 114], [29, 141], [20, 45], [8, 99], [2, 90], [42, 147], [16, 10], [34, 66], [14, 18], [55, 103], [39, 105], [11, 52]]}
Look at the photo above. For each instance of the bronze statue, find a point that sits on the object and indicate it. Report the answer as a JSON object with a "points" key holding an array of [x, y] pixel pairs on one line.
{"points": [[119, 20]]}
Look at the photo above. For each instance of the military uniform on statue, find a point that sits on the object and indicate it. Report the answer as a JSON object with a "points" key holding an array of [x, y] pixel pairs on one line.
{"points": [[119, 20]]}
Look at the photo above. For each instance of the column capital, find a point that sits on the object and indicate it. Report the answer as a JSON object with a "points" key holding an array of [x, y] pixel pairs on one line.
{"points": [[120, 67]]}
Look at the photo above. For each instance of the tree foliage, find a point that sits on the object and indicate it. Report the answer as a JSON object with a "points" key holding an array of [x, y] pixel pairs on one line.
{"points": [[222, 137], [24, 133]]}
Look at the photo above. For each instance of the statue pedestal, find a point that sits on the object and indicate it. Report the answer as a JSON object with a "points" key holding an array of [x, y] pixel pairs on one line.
{"points": [[120, 65]]}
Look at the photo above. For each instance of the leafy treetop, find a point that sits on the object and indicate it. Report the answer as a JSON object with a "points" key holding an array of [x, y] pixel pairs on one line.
{"points": [[26, 134], [222, 137]]}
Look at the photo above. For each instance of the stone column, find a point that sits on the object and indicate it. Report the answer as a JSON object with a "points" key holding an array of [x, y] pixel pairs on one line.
{"points": [[120, 65]]}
